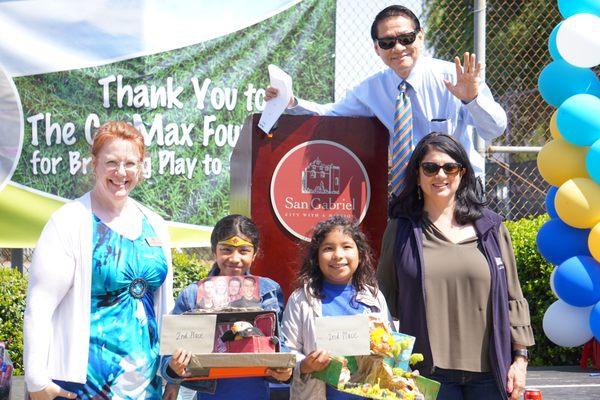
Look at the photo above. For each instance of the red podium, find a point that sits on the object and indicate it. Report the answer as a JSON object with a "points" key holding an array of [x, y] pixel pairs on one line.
{"points": [[311, 168]]}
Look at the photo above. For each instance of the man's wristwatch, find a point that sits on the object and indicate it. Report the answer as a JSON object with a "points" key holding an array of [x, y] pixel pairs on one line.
{"points": [[521, 353]]}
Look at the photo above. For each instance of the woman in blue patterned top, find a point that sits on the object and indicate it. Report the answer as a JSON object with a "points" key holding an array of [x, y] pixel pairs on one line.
{"points": [[100, 280]]}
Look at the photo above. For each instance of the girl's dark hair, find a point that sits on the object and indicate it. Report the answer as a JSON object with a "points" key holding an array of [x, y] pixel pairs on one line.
{"points": [[310, 274], [468, 206], [234, 224]]}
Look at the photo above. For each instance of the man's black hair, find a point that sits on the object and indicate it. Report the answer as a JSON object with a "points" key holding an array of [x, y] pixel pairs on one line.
{"points": [[394, 11]]}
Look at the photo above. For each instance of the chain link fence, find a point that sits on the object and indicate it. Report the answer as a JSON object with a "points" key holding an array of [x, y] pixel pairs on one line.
{"points": [[17, 258], [514, 187], [5, 257], [516, 51]]}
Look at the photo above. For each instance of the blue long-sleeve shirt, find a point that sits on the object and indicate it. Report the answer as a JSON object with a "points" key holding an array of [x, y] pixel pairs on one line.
{"points": [[434, 108]]}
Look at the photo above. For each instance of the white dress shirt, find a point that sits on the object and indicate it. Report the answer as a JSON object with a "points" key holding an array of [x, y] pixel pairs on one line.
{"points": [[434, 108]]}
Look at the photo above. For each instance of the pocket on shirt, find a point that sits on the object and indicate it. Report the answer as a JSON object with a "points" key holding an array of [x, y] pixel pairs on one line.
{"points": [[443, 126]]}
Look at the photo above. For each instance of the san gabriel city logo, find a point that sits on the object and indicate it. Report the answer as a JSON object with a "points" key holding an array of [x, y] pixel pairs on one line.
{"points": [[315, 180]]}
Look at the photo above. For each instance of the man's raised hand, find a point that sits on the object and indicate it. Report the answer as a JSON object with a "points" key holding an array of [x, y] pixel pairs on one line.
{"points": [[466, 87]]}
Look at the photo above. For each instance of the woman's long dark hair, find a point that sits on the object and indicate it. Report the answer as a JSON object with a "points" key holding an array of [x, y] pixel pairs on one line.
{"points": [[468, 206], [310, 274], [228, 226]]}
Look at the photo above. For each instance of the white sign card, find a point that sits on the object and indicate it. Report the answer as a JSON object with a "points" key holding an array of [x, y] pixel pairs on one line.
{"points": [[347, 335], [275, 107], [194, 333]]}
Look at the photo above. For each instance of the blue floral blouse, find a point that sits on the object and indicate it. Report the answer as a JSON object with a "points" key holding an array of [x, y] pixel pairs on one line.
{"points": [[123, 355]]}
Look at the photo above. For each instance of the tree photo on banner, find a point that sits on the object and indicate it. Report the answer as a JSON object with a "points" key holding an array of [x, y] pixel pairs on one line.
{"points": [[571, 164], [189, 103]]}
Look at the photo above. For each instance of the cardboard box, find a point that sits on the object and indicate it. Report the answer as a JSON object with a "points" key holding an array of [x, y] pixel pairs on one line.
{"points": [[222, 364], [231, 360]]}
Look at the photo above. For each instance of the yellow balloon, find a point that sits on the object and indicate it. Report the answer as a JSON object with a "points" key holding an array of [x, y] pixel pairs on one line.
{"points": [[553, 127], [594, 242], [559, 161], [577, 203]]}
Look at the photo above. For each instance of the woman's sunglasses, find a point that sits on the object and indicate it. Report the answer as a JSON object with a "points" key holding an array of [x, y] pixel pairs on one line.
{"points": [[404, 39], [432, 169]]}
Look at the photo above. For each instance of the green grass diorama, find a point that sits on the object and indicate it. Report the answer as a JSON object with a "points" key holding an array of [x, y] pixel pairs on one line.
{"points": [[300, 40]]}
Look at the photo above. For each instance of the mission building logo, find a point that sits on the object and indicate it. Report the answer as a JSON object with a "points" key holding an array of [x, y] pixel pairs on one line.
{"points": [[315, 180]]}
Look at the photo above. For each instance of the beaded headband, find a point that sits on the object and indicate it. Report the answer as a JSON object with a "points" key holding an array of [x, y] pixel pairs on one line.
{"points": [[236, 241]]}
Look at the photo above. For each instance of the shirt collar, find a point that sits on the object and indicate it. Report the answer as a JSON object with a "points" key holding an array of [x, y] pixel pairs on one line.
{"points": [[414, 79], [366, 297], [416, 74]]}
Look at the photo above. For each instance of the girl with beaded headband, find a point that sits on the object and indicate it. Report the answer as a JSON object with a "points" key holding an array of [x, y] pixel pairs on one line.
{"points": [[235, 243]]}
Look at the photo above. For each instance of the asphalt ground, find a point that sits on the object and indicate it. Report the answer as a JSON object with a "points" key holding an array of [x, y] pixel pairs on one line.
{"points": [[565, 382], [556, 383]]}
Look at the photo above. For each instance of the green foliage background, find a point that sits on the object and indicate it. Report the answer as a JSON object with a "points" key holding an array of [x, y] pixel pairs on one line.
{"points": [[188, 268], [534, 274], [12, 308], [300, 40]]}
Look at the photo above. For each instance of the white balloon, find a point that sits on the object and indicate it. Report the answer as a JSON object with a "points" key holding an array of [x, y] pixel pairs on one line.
{"points": [[578, 40], [566, 325]]}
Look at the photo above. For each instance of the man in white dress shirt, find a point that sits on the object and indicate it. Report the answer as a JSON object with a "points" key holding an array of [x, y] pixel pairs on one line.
{"points": [[445, 97]]}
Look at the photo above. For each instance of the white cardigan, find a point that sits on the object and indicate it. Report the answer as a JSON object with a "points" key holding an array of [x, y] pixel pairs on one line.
{"points": [[298, 330], [57, 316]]}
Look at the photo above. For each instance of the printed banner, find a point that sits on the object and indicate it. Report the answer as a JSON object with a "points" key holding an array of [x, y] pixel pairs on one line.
{"points": [[186, 75]]}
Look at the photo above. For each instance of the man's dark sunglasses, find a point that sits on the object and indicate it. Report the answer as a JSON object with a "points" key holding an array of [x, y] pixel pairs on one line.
{"points": [[432, 169], [404, 39]]}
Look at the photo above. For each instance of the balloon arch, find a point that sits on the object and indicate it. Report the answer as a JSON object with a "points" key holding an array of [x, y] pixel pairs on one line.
{"points": [[570, 162]]}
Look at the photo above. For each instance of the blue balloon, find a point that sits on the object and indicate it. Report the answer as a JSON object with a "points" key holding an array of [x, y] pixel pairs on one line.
{"points": [[550, 208], [552, 44], [560, 80], [557, 241], [571, 7], [578, 119], [595, 321], [592, 161], [577, 281]]}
